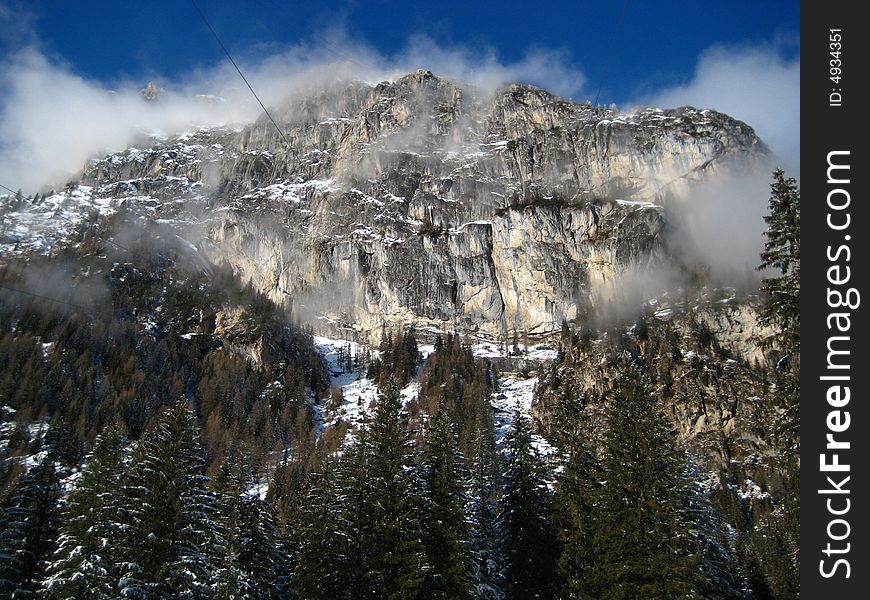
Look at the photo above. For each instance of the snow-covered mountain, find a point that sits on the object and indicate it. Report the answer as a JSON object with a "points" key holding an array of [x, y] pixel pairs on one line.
{"points": [[491, 252], [418, 200]]}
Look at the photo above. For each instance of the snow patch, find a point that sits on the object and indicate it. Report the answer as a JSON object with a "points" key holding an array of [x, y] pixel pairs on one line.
{"points": [[516, 392]]}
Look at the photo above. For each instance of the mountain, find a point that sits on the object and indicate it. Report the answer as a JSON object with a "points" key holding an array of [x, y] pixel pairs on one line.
{"points": [[528, 241], [427, 203]]}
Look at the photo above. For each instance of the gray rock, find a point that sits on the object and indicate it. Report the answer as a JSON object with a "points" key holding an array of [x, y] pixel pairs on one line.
{"points": [[419, 201]]}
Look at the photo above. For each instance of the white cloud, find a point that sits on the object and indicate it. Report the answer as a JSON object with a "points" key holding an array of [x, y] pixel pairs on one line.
{"points": [[757, 84], [719, 224], [549, 69], [53, 120]]}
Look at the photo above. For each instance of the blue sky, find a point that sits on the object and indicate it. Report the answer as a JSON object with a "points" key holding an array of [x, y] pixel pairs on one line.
{"points": [[59, 60], [625, 48]]}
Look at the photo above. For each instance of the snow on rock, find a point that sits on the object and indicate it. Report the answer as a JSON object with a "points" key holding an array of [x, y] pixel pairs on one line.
{"points": [[358, 391], [536, 352], [32, 225], [515, 391]]}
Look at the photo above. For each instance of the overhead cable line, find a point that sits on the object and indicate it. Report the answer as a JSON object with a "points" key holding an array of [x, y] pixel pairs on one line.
{"points": [[14, 192], [41, 297], [242, 75]]}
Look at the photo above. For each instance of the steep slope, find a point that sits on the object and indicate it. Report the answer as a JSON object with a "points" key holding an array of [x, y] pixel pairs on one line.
{"points": [[418, 201], [515, 223]]}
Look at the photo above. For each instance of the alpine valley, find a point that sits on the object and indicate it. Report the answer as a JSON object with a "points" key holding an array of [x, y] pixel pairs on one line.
{"points": [[412, 339]]}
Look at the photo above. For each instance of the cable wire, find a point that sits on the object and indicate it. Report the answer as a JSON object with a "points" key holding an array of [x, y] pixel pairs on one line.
{"points": [[14, 192], [242, 75], [40, 296]]}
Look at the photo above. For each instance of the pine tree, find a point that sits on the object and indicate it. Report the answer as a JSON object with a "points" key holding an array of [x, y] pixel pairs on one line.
{"points": [[482, 508], [83, 564], [392, 557], [445, 526], [228, 486], [247, 543], [781, 538], [169, 514], [527, 539], [322, 549], [781, 310], [28, 526], [353, 524], [782, 252], [723, 577], [642, 531], [262, 550], [576, 495]]}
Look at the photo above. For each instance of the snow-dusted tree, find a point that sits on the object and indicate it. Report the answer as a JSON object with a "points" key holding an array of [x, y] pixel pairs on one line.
{"points": [[723, 578], [353, 524], [170, 516], [527, 541], [482, 510], [445, 526], [322, 566], [28, 525], [247, 544], [642, 538], [228, 486], [781, 310], [262, 551], [83, 565], [576, 494], [392, 556], [778, 542], [782, 253]]}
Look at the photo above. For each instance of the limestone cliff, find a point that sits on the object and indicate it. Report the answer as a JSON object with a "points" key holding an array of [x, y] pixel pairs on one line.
{"points": [[421, 201]]}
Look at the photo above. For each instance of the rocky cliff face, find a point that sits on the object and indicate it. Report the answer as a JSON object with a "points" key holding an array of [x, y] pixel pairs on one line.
{"points": [[418, 201]]}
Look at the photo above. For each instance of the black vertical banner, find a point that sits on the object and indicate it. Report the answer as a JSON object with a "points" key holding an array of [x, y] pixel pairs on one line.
{"points": [[835, 227]]}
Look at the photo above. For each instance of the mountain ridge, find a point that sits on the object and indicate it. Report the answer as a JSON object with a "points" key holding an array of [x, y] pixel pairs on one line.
{"points": [[430, 204]]}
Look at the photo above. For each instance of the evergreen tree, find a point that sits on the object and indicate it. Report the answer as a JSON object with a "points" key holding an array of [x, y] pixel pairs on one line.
{"points": [[782, 252], [28, 526], [170, 515], [445, 526], [228, 486], [723, 577], [262, 550], [392, 557], [353, 524], [781, 310], [642, 538], [779, 544], [84, 566], [576, 495], [247, 543], [527, 539], [323, 568], [482, 508]]}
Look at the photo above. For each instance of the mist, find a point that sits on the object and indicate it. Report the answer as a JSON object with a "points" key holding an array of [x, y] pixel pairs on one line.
{"points": [[53, 120], [65, 288], [718, 226], [756, 84], [714, 236], [627, 295]]}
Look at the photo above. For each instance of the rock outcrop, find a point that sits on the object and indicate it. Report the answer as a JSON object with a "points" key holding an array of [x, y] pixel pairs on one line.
{"points": [[419, 201]]}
